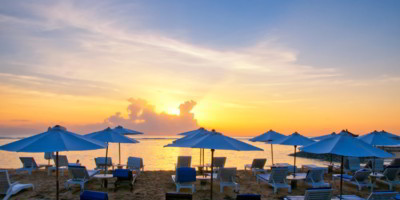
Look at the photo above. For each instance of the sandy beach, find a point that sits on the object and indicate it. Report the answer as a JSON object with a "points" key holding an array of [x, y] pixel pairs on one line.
{"points": [[154, 184]]}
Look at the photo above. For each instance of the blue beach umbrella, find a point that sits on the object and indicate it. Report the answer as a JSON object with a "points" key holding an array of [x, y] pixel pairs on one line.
{"points": [[54, 140], [109, 135], [188, 136], [322, 137], [391, 135], [214, 140], [124, 131], [294, 140], [268, 137], [201, 129], [345, 145]]}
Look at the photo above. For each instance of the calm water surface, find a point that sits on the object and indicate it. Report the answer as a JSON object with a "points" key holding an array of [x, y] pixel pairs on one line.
{"points": [[156, 157]]}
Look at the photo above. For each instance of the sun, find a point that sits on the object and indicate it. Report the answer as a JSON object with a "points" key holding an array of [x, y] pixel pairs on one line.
{"points": [[173, 111]]}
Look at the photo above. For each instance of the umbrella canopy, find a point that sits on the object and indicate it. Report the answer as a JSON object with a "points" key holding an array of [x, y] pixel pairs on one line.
{"points": [[391, 135], [54, 140], [124, 131], [268, 137], [322, 137], [109, 135], [294, 140], [193, 131], [214, 140], [345, 145], [378, 139]]}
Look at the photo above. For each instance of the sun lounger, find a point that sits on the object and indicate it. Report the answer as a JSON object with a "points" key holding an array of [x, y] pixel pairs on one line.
{"points": [[385, 195], [93, 195], [135, 164], [351, 164], [184, 161], [276, 179], [390, 176], [124, 176], [376, 166], [62, 165], [315, 178], [226, 177], [79, 175], [256, 166], [360, 178], [185, 178], [289, 166], [313, 194], [248, 197], [218, 162], [48, 156], [101, 163], [178, 196], [7, 188], [312, 166], [28, 164]]}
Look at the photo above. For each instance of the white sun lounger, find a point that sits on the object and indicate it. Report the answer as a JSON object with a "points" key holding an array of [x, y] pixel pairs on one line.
{"points": [[79, 175], [184, 161], [314, 194], [256, 166], [315, 178], [28, 164], [387, 195], [7, 188], [360, 178], [218, 162], [351, 164], [276, 179], [62, 165], [135, 164], [390, 177], [226, 177]]}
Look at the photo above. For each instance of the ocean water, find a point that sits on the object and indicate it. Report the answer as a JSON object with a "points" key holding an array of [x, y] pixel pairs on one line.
{"points": [[157, 157]]}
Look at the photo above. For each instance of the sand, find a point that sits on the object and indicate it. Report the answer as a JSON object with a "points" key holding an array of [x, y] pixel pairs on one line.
{"points": [[154, 185]]}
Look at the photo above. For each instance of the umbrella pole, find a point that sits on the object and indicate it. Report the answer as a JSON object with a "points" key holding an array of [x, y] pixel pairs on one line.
{"points": [[341, 178], [119, 147], [57, 182], [212, 172], [294, 167], [106, 160], [200, 157], [272, 154]]}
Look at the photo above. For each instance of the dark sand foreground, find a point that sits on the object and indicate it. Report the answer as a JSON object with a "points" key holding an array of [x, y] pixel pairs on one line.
{"points": [[154, 184]]}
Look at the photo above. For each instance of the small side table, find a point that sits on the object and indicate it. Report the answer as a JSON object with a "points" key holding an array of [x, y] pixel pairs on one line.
{"points": [[293, 179], [203, 180], [104, 179], [373, 177]]}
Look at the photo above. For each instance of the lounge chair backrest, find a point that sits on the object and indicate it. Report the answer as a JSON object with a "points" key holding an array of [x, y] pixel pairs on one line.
{"points": [[377, 165], [391, 173], [318, 194], [184, 161], [134, 163], [219, 161], [62, 160], [101, 161], [227, 174], [352, 163], [28, 162], [362, 175], [382, 195], [178, 196], [315, 175], [278, 175], [185, 174], [78, 172], [48, 155], [395, 162], [258, 163], [4, 181]]}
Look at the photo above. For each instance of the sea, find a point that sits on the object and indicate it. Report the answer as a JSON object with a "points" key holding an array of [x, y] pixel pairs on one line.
{"points": [[157, 157]]}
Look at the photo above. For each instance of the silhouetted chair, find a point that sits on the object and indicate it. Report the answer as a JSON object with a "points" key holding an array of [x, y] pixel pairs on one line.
{"points": [[124, 176]]}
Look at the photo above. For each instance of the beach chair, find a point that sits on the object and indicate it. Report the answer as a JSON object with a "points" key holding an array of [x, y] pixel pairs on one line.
{"points": [[351, 164], [62, 165], [7, 188], [256, 166], [226, 177], [376, 166], [218, 162], [93, 195], [48, 156], [248, 197], [178, 196], [185, 178], [390, 176], [135, 164], [79, 176], [313, 194], [360, 178], [315, 178], [124, 176], [276, 179], [184, 161], [101, 163], [287, 165], [28, 164], [384, 195]]}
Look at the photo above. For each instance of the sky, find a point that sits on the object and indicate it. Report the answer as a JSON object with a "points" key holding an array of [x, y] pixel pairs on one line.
{"points": [[164, 67]]}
